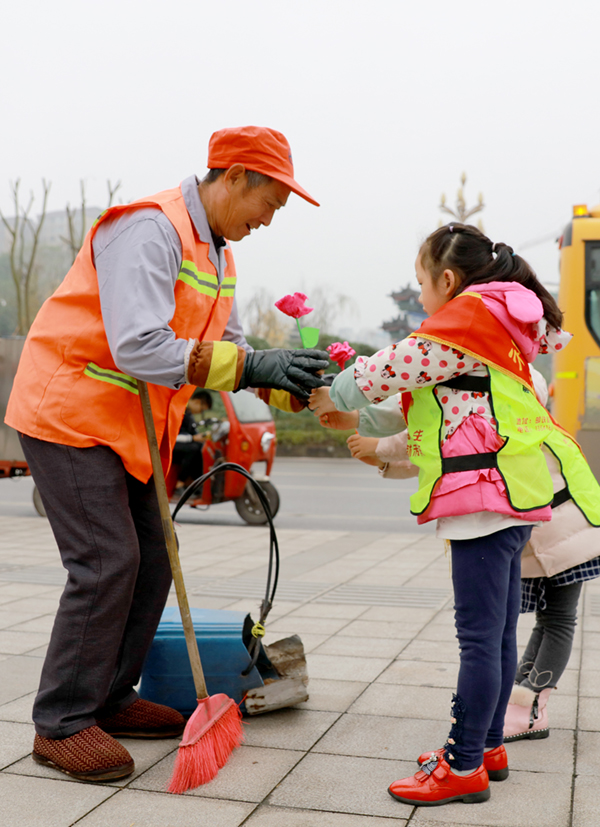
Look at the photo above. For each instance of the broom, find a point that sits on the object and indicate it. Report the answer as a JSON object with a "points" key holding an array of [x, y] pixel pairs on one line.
{"points": [[215, 728]]}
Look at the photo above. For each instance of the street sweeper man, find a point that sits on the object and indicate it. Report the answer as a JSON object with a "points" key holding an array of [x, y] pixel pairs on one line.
{"points": [[151, 296]]}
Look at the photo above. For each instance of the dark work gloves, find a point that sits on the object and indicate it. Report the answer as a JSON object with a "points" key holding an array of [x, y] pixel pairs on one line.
{"points": [[287, 370]]}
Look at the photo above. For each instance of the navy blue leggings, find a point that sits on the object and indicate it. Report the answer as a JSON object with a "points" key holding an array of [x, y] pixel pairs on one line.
{"points": [[486, 574]]}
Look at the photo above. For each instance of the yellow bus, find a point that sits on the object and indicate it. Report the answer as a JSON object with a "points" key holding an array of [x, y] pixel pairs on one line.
{"points": [[576, 370]]}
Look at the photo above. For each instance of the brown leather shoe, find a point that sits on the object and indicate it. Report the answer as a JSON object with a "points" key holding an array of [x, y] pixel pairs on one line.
{"points": [[89, 755], [144, 719]]}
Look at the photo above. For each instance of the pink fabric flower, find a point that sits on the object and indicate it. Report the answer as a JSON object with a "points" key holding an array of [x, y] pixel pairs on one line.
{"points": [[294, 306], [340, 353]]}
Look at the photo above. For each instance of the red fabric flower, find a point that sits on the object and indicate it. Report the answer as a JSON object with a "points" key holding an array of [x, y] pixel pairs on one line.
{"points": [[340, 353], [294, 306]]}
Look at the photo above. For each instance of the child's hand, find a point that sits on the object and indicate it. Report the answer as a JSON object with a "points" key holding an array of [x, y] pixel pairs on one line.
{"points": [[339, 420], [363, 447], [320, 403]]}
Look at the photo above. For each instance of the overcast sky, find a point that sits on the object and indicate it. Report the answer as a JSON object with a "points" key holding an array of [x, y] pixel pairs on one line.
{"points": [[385, 103]]}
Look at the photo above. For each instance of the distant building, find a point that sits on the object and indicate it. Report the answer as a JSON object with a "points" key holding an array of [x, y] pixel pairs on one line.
{"points": [[410, 316]]}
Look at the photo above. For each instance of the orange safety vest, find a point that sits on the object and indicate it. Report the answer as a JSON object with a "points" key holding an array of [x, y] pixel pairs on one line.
{"points": [[68, 388]]}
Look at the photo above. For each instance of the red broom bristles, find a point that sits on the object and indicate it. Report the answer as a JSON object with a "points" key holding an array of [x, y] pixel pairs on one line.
{"points": [[211, 735]]}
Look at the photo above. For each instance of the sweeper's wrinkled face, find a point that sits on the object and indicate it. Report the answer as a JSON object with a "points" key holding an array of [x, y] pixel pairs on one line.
{"points": [[243, 209]]}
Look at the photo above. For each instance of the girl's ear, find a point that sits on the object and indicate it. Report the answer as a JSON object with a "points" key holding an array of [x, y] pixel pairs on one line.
{"points": [[449, 283]]}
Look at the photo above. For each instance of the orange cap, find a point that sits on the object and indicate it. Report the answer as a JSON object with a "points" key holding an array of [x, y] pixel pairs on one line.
{"points": [[259, 149]]}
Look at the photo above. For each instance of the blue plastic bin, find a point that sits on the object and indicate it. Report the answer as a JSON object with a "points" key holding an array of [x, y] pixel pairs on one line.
{"points": [[167, 675]]}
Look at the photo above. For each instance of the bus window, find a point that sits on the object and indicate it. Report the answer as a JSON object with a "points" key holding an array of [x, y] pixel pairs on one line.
{"points": [[592, 288]]}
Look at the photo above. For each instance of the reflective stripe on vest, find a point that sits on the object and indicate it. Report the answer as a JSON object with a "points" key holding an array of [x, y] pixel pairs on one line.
{"points": [[113, 377], [206, 283], [228, 285], [522, 422]]}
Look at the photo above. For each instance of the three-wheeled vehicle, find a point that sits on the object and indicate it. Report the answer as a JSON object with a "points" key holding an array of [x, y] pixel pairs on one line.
{"points": [[241, 429]]}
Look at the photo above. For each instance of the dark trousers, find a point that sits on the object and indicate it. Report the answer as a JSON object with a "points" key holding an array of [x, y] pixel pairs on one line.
{"points": [[486, 574], [549, 648], [108, 530], [188, 456]]}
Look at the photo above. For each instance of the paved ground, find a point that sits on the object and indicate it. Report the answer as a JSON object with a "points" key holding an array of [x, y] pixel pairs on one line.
{"points": [[374, 612]]}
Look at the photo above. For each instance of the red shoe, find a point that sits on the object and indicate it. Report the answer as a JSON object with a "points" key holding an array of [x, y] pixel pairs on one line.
{"points": [[495, 761], [436, 784]]}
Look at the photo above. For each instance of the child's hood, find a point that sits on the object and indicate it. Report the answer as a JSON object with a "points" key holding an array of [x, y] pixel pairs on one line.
{"points": [[521, 312]]}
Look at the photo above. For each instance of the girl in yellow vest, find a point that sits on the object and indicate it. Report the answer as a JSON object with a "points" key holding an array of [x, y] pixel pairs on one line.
{"points": [[475, 430], [559, 557]]}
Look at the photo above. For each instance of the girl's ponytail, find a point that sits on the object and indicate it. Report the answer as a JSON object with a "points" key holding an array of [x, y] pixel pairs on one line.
{"points": [[475, 259]]}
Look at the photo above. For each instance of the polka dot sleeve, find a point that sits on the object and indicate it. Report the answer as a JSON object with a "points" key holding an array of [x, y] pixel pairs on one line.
{"points": [[409, 364]]}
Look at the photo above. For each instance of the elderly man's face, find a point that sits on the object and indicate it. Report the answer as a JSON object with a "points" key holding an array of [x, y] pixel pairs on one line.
{"points": [[240, 210]]}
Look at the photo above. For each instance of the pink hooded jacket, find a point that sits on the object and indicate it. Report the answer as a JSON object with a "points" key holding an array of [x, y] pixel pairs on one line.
{"points": [[520, 312]]}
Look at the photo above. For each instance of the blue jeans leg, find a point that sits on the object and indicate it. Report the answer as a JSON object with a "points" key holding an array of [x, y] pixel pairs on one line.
{"points": [[486, 574]]}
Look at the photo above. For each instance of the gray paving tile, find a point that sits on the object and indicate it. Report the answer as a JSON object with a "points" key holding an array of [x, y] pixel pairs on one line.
{"points": [[586, 802], [38, 802], [589, 685], [562, 711], [42, 624], [19, 675], [525, 799], [296, 625], [25, 589], [431, 651], [134, 807], [16, 741], [336, 783], [439, 632], [381, 628], [421, 673], [397, 701], [375, 647], [328, 696], [37, 605], [269, 816], [293, 729], [330, 610], [589, 714], [398, 614], [10, 618], [373, 736], [591, 640], [343, 668], [552, 754], [15, 642], [590, 659], [249, 775], [588, 749]]}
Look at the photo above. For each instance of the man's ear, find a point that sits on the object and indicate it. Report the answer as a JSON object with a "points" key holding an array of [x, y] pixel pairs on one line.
{"points": [[235, 175], [449, 283]]}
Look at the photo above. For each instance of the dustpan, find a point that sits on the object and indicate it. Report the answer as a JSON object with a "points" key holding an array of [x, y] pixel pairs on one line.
{"points": [[234, 659]]}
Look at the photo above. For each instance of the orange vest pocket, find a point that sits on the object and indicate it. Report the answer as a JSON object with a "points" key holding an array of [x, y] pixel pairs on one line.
{"points": [[98, 407]]}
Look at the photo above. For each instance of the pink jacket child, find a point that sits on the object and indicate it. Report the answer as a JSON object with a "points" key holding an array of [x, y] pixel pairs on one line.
{"points": [[469, 424]]}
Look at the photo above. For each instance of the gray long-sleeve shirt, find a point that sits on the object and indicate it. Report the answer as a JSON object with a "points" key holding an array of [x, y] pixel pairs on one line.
{"points": [[138, 256]]}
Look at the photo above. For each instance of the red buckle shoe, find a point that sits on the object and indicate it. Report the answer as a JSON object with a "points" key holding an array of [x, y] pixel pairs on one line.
{"points": [[495, 761], [144, 719], [436, 784]]}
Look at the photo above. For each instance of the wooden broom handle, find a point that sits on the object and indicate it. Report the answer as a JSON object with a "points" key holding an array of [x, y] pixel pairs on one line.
{"points": [[171, 542]]}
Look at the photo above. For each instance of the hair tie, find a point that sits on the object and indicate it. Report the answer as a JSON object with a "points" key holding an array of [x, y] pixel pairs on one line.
{"points": [[494, 247], [450, 228]]}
